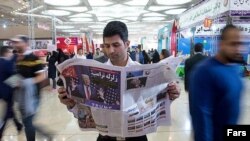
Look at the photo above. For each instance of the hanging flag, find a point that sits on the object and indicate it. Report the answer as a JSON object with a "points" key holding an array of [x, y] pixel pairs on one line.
{"points": [[93, 47], [87, 43]]}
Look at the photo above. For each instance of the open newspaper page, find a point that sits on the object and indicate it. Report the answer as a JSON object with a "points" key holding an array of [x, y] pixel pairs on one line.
{"points": [[97, 86], [145, 99], [119, 101]]}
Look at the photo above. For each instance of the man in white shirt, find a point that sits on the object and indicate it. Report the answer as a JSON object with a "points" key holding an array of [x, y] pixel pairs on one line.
{"points": [[116, 44], [80, 54], [98, 53]]}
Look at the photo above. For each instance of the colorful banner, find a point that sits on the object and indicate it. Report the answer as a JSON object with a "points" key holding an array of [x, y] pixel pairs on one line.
{"points": [[240, 7], [67, 44], [174, 39], [206, 9]]}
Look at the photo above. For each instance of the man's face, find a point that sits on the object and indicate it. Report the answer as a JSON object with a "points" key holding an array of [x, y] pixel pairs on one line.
{"points": [[80, 52], [231, 47], [20, 47], [98, 50], [115, 48], [137, 50], [86, 81]]}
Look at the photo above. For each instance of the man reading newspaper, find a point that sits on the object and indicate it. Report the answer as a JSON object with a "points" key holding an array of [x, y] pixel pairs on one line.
{"points": [[116, 44]]}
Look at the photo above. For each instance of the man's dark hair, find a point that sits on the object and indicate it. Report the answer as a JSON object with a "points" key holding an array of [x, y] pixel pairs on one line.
{"points": [[116, 28], [79, 49], [198, 47], [4, 49], [226, 29]]}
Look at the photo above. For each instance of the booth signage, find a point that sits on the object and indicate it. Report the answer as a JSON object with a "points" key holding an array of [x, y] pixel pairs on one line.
{"points": [[216, 30], [240, 7], [208, 22], [210, 8]]}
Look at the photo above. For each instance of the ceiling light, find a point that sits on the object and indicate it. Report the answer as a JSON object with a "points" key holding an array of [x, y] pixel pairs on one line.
{"points": [[74, 9], [131, 18], [85, 29], [2, 15], [153, 18], [64, 27], [81, 15], [97, 26], [71, 30], [56, 12], [100, 33], [99, 2], [121, 20], [117, 11], [103, 18], [98, 30], [75, 33], [160, 8], [153, 14], [137, 2], [81, 19], [175, 11], [136, 26], [134, 30], [62, 2], [172, 2]]}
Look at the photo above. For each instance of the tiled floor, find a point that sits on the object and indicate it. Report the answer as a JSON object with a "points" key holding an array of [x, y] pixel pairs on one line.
{"points": [[54, 117]]}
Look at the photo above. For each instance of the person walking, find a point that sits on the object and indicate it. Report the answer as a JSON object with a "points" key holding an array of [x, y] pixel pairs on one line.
{"points": [[52, 68], [192, 62], [7, 65], [216, 87]]}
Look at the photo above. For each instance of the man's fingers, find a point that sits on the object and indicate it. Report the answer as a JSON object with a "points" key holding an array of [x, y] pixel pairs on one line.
{"points": [[61, 90], [62, 95]]}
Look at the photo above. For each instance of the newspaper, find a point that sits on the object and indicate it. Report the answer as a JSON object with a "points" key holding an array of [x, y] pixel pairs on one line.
{"points": [[120, 101], [14, 80]]}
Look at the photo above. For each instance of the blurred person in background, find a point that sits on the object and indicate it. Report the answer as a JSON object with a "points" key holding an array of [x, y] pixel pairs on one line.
{"points": [[104, 57], [164, 54], [61, 56], [116, 44], [146, 57], [137, 55], [156, 57], [89, 55], [215, 89], [48, 55], [192, 62], [52, 68], [7, 65], [80, 54], [98, 53], [28, 93]]}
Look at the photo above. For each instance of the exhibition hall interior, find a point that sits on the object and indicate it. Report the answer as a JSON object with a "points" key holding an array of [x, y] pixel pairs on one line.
{"points": [[124, 70]]}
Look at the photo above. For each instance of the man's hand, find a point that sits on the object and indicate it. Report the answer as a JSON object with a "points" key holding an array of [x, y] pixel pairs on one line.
{"points": [[70, 103], [173, 90]]}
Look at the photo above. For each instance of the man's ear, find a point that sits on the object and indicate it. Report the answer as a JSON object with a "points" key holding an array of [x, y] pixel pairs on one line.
{"points": [[127, 43]]}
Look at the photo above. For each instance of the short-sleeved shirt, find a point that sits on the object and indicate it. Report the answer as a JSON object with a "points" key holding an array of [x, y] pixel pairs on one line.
{"points": [[29, 66]]}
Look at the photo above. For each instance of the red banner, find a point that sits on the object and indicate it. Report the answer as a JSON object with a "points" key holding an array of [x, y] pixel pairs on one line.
{"points": [[174, 39], [68, 44]]}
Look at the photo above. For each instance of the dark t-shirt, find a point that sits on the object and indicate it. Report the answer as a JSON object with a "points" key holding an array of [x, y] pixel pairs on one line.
{"points": [[29, 66]]}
